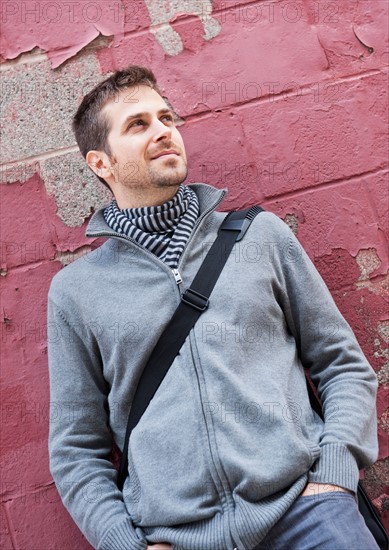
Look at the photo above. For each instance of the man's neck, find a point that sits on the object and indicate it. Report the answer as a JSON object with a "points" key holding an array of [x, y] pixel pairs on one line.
{"points": [[135, 198]]}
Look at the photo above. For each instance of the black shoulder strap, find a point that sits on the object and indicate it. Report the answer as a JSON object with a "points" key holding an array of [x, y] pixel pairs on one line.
{"points": [[194, 301]]}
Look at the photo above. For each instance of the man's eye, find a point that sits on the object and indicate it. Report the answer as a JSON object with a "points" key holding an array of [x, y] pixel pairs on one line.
{"points": [[135, 123], [169, 118]]}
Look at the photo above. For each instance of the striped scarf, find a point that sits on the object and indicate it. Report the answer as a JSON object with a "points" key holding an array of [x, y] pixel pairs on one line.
{"points": [[164, 229]]}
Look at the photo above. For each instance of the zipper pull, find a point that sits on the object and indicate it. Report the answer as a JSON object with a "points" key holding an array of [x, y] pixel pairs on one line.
{"points": [[177, 276]]}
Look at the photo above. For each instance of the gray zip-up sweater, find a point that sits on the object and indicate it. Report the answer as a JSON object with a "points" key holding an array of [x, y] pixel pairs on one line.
{"points": [[229, 439]]}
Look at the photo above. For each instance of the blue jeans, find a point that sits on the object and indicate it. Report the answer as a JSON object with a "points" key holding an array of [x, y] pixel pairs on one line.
{"points": [[327, 521]]}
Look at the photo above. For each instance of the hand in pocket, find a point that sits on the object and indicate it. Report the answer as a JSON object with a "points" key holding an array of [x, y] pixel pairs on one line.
{"points": [[312, 489]]}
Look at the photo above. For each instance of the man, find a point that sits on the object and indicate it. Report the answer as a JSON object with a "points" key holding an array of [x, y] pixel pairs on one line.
{"points": [[228, 453]]}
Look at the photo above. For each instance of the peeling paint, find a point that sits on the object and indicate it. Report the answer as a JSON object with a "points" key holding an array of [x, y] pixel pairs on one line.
{"points": [[18, 171], [379, 286], [162, 13], [68, 257], [61, 29], [64, 29], [369, 48]]}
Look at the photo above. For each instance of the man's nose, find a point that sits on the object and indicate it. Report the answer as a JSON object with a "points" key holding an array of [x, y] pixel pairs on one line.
{"points": [[161, 131]]}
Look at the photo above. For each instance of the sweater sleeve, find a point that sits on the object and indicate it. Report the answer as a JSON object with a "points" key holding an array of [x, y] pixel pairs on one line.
{"points": [[345, 381], [80, 441]]}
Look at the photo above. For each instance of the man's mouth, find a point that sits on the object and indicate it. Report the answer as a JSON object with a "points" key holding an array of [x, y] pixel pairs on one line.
{"points": [[165, 153]]}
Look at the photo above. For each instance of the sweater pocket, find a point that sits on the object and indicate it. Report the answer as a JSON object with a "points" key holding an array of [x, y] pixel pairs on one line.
{"points": [[305, 425]]}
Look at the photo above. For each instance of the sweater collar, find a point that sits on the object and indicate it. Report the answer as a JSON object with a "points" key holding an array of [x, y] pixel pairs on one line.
{"points": [[209, 198]]}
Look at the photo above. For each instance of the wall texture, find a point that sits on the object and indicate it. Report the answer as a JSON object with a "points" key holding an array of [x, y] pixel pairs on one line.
{"points": [[283, 102]]}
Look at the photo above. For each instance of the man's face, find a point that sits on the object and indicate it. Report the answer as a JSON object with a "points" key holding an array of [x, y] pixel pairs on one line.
{"points": [[147, 149]]}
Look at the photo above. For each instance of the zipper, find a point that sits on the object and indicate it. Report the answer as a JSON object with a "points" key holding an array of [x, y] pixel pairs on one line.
{"points": [[177, 276], [224, 491]]}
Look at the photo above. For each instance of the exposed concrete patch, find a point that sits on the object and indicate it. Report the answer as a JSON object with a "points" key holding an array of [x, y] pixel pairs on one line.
{"points": [[76, 189], [162, 13], [169, 39], [37, 105], [292, 221], [383, 420], [382, 352], [383, 330], [368, 261], [376, 476], [383, 373]]}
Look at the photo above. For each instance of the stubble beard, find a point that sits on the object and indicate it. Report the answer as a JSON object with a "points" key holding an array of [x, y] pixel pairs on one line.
{"points": [[171, 175]]}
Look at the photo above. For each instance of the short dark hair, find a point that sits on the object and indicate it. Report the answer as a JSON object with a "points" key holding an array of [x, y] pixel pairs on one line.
{"points": [[90, 126]]}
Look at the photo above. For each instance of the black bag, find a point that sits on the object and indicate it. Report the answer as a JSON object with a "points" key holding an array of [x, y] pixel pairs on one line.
{"points": [[194, 301]]}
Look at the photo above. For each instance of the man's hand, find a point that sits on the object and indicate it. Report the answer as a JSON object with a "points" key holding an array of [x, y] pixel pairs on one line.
{"points": [[159, 546], [312, 489]]}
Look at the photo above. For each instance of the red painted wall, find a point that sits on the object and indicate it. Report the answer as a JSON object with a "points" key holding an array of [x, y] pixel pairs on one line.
{"points": [[283, 102]]}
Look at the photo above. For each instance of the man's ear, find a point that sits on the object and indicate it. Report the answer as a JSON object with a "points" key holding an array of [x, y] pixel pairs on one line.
{"points": [[99, 162]]}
